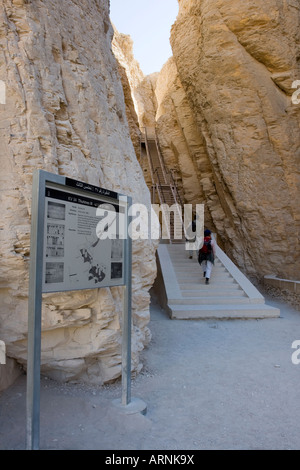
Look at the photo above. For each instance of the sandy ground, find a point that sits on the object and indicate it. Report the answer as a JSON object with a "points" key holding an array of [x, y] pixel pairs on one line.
{"points": [[207, 385]]}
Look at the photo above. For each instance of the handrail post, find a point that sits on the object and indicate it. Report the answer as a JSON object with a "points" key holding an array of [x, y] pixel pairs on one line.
{"points": [[162, 163], [149, 156]]}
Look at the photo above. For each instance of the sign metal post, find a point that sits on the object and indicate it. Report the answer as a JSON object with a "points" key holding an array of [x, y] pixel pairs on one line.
{"points": [[34, 317], [55, 201], [126, 343]]}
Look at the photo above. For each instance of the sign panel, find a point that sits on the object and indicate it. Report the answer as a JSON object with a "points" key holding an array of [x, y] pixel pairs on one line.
{"points": [[79, 240], [83, 238]]}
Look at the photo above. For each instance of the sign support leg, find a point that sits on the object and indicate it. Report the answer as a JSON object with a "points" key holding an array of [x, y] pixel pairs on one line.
{"points": [[126, 334], [34, 318], [127, 404]]}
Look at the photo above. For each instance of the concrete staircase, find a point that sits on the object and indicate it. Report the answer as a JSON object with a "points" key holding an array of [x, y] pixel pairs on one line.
{"points": [[186, 296]]}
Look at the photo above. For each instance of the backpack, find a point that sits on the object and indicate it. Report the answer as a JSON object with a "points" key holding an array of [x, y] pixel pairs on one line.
{"points": [[206, 248]]}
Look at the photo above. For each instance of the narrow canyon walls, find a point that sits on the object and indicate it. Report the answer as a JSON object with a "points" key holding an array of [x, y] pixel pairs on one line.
{"points": [[131, 76], [65, 113], [236, 62], [227, 126], [180, 142]]}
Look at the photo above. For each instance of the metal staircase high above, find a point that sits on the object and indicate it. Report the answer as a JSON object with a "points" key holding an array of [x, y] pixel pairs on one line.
{"points": [[164, 189]]}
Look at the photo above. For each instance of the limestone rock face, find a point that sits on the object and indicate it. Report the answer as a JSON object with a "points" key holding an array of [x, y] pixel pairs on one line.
{"points": [[146, 101], [131, 76], [138, 89], [180, 142], [236, 63], [65, 113]]}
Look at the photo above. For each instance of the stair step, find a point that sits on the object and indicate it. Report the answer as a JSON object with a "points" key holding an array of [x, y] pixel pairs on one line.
{"points": [[195, 266], [198, 301], [214, 282], [228, 296], [206, 292], [195, 269], [198, 278], [198, 269], [199, 283], [240, 311], [194, 272]]}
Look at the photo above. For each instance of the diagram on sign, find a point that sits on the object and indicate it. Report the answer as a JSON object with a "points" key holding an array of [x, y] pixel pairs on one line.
{"points": [[77, 253], [88, 264]]}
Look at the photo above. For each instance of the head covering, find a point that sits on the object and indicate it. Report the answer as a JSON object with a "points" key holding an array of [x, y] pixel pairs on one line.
{"points": [[207, 233]]}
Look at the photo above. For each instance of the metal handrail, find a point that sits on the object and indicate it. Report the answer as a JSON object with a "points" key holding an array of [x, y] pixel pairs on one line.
{"points": [[173, 183], [149, 156], [161, 160], [168, 181], [177, 198], [161, 196], [159, 185]]}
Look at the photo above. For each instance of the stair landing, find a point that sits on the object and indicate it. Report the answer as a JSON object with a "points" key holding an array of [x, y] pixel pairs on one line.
{"points": [[229, 295]]}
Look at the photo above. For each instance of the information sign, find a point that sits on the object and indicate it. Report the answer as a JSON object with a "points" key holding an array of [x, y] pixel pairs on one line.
{"points": [[78, 252], [79, 240]]}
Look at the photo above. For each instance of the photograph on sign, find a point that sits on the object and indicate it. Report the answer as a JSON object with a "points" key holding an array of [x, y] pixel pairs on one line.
{"points": [[82, 244]]}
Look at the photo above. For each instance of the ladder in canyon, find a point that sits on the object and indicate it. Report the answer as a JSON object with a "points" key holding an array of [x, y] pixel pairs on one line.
{"points": [[164, 189]]}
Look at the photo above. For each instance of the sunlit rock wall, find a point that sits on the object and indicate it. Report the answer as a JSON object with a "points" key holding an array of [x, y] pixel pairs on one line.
{"points": [[141, 87], [131, 76], [180, 142], [65, 113], [237, 62]]}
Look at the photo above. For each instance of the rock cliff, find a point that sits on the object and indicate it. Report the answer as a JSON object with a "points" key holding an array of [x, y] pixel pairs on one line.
{"points": [[228, 125], [141, 88], [180, 142], [131, 76], [65, 113], [245, 58]]}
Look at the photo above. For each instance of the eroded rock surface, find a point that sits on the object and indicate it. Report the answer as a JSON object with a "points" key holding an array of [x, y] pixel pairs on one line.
{"points": [[236, 62], [228, 127], [65, 113]]}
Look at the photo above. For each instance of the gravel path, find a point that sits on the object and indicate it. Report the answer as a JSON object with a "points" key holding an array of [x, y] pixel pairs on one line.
{"points": [[207, 385]]}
